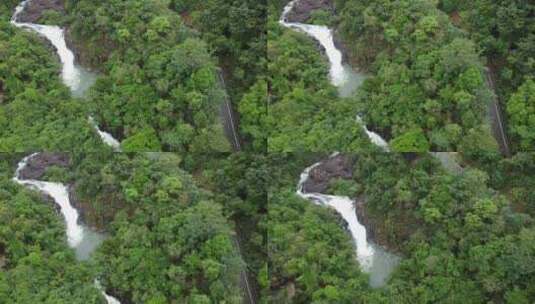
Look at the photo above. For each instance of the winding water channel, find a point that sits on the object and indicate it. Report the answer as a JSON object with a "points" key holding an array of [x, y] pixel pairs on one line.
{"points": [[372, 258], [342, 75], [81, 238], [74, 76]]}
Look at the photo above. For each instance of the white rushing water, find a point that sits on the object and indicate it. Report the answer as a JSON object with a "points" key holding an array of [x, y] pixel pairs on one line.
{"points": [[74, 76], [61, 196], [342, 75], [372, 258], [82, 239]]}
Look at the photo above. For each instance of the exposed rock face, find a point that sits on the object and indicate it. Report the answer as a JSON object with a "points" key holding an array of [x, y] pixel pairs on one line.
{"points": [[390, 236], [75, 202], [83, 57], [86, 211], [34, 9], [303, 9], [364, 219], [340, 166], [37, 165]]}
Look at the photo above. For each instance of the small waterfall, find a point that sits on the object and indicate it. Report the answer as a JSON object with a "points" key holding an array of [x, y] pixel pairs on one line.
{"points": [[83, 240], [61, 196], [345, 206], [342, 75], [372, 258], [75, 77]]}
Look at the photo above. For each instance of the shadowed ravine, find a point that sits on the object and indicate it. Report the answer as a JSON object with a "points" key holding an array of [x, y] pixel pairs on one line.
{"points": [[78, 79], [82, 239], [342, 75], [372, 258]]}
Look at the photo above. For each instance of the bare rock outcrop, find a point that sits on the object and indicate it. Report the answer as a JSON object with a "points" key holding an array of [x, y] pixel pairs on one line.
{"points": [[35, 8]]}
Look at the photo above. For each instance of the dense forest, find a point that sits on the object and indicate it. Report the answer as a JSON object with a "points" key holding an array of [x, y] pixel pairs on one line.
{"points": [[305, 112], [432, 71], [428, 89], [505, 34], [461, 240], [161, 76], [36, 264], [168, 240], [36, 109], [184, 151]]}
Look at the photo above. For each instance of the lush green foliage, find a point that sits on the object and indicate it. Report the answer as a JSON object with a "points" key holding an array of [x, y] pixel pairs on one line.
{"points": [[239, 182], [460, 240], [521, 110], [505, 32], [311, 258], [427, 75], [236, 31], [253, 119], [168, 239], [36, 110], [159, 90], [437, 219], [35, 264], [305, 112]]}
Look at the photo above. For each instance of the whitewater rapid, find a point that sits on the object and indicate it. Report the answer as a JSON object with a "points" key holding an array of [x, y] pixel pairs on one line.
{"points": [[345, 206], [342, 75], [373, 259], [61, 196], [82, 239], [74, 76]]}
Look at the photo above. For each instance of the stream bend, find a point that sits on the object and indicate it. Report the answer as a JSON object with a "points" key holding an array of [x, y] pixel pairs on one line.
{"points": [[373, 259], [342, 75], [82, 239], [78, 79]]}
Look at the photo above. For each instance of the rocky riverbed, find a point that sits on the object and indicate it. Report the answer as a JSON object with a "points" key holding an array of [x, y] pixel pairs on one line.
{"points": [[37, 165], [340, 166], [343, 166], [303, 9], [35, 8]]}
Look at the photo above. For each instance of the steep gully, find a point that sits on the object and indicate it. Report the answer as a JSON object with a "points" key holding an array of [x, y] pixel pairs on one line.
{"points": [[372, 258], [82, 239], [74, 76], [79, 80]]}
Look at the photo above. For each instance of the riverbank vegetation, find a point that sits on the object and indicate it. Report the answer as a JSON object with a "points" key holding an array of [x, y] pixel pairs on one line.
{"points": [[36, 266], [305, 112], [427, 90], [36, 109], [168, 238], [435, 219], [461, 241], [311, 258], [172, 233], [159, 89]]}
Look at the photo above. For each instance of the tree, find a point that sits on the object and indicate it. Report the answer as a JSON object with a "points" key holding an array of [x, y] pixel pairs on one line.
{"points": [[521, 111], [410, 141]]}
